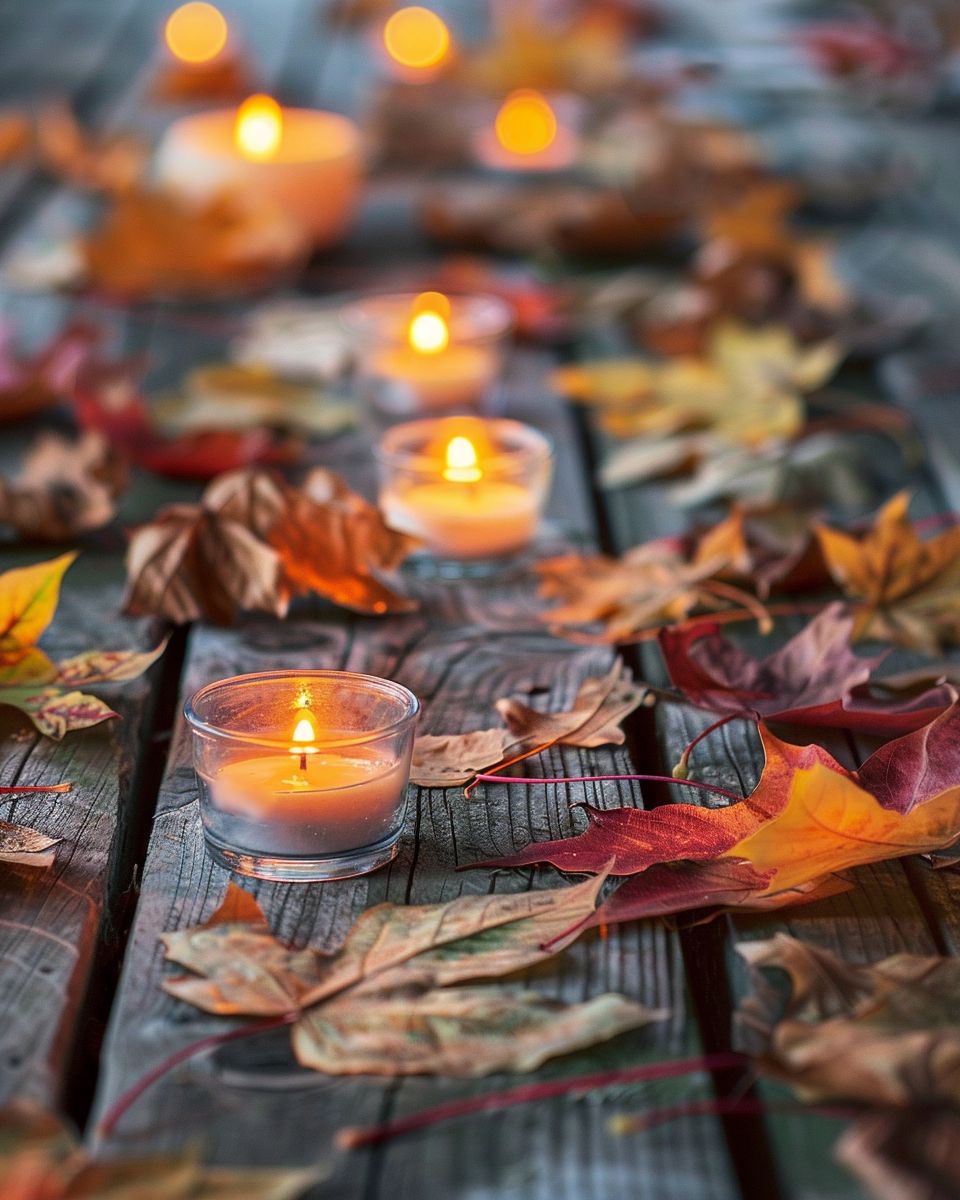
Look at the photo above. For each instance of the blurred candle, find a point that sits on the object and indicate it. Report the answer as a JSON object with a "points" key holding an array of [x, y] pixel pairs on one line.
{"points": [[417, 43], [196, 33], [526, 135], [306, 161]]}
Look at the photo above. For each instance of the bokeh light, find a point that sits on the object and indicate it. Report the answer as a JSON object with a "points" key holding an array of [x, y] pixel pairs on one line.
{"points": [[196, 32]]}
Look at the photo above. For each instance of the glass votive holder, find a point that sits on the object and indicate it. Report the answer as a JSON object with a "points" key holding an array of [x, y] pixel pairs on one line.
{"points": [[471, 489], [302, 774], [427, 353]]}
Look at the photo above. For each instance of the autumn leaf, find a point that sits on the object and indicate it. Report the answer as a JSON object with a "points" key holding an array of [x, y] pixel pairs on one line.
{"points": [[883, 1034], [909, 589], [110, 163], [16, 132], [646, 587], [807, 819], [905, 1154], [152, 243], [814, 679], [42, 1159], [601, 704], [386, 1003], [64, 489], [36, 383], [29, 680], [107, 400], [254, 541], [25, 847]]}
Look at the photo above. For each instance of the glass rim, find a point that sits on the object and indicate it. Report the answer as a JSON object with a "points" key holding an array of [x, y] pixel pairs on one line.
{"points": [[397, 690], [533, 446]]}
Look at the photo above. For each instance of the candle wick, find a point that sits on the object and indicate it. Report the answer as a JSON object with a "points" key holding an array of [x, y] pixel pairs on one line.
{"points": [[303, 761]]}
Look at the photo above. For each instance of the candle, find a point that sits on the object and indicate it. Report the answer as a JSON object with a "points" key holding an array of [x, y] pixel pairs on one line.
{"points": [[526, 135], [417, 43], [323, 799], [469, 489], [428, 353], [306, 161]]}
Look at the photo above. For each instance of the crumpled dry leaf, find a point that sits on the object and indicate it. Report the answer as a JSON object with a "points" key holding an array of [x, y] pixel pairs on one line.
{"points": [[601, 704], [64, 489], [107, 399], [909, 589], [384, 1004], [153, 243], [905, 1155], [807, 819], [109, 163], [254, 541], [234, 398], [31, 385], [26, 847], [29, 681], [644, 588], [42, 1159], [883, 1034], [812, 680]]}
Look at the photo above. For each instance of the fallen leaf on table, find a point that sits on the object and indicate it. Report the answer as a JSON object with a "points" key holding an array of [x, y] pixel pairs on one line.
{"points": [[644, 588], [887, 1033], [756, 220], [29, 680], [908, 589], [226, 397], [299, 339], [33, 384], [254, 541], [587, 54], [110, 163], [41, 1158], [25, 847], [157, 244], [107, 400], [385, 1003], [601, 704], [64, 489], [911, 1154], [807, 819], [812, 680]]}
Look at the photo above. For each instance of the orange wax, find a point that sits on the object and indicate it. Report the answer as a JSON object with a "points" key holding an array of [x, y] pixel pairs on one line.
{"points": [[458, 375], [485, 519], [325, 801]]}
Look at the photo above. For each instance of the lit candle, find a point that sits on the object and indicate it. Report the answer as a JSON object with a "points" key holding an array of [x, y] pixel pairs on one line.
{"points": [[467, 488], [327, 803], [527, 135], [306, 161], [417, 43], [427, 353]]}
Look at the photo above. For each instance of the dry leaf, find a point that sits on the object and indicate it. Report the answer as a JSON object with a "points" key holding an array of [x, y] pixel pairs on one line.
{"points": [[905, 1155], [384, 1003], [26, 847], [601, 704], [42, 1159], [110, 163], [254, 541], [909, 589], [29, 681], [883, 1034], [807, 819], [64, 489], [31, 385], [157, 244]]}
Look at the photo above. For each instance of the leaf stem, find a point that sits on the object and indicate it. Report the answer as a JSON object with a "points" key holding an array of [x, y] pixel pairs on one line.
{"points": [[353, 1137], [36, 787], [705, 787], [119, 1108], [679, 771]]}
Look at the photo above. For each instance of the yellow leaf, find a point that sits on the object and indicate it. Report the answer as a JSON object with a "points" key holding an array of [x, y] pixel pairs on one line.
{"points": [[28, 600]]}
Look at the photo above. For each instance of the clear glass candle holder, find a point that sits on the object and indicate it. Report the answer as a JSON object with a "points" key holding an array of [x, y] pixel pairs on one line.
{"points": [[471, 489], [400, 376], [302, 774]]}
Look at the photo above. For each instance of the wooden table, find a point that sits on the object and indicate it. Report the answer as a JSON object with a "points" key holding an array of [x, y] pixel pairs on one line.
{"points": [[82, 1015]]}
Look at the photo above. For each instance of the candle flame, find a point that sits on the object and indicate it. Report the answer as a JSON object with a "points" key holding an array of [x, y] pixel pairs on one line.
{"points": [[196, 32], [305, 731], [461, 461], [526, 123], [417, 38], [259, 127], [429, 330]]}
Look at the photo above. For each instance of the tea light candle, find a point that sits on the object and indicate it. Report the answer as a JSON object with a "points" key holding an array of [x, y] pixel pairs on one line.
{"points": [[527, 136], [429, 352], [306, 161], [468, 488], [321, 801]]}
